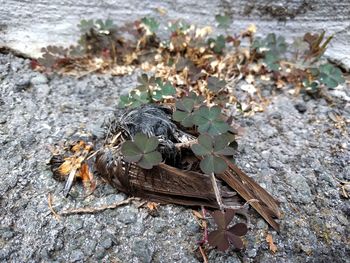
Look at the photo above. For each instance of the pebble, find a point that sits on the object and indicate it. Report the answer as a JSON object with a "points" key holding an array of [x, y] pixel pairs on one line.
{"points": [[107, 243], [127, 217], [22, 83], [76, 255], [142, 251], [39, 79], [301, 107]]}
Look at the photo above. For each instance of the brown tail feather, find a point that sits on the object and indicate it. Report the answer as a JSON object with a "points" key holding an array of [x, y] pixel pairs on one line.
{"points": [[248, 189]]}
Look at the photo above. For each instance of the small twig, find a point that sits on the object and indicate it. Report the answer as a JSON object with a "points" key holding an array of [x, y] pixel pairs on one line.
{"points": [[91, 210], [204, 211], [88, 73], [185, 144], [93, 154], [49, 200], [142, 204], [205, 258], [216, 191]]}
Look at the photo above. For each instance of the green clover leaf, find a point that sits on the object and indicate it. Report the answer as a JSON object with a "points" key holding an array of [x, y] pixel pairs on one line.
{"points": [[218, 44], [163, 90], [224, 21], [330, 76], [211, 149], [145, 83], [151, 24], [209, 120], [142, 150], [184, 112]]}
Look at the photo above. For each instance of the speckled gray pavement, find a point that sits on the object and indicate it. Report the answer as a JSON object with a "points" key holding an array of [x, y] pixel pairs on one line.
{"points": [[292, 149]]}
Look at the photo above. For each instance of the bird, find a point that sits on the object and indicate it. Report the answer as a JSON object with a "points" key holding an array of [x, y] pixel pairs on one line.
{"points": [[171, 181]]}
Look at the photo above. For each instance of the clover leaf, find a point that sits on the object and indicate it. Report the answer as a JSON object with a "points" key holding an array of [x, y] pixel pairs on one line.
{"points": [[330, 75], [145, 82], [178, 26], [184, 112], [224, 21], [142, 150], [210, 149], [151, 24], [272, 48], [104, 27], [163, 90], [215, 84], [218, 44], [86, 25], [134, 99], [198, 99], [209, 120], [222, 237], [271, 60]]}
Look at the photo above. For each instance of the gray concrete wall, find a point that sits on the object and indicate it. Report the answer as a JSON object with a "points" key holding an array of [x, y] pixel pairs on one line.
{"points": [[29, 25]]}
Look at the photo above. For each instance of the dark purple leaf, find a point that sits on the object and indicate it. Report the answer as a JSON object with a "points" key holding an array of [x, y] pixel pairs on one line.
{"points": [[239, 229], [234, 240], [218, 239], [222, 237]]}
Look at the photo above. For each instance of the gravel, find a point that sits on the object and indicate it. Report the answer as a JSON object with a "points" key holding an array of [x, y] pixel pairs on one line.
{"points": [[293, 149]]}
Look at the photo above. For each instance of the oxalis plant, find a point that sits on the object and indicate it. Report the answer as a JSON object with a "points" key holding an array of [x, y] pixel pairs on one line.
{"points": [[215, 141], [197, 53]]}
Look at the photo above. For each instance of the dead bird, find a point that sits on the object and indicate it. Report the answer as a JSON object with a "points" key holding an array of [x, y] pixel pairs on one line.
{"points": [[168, 182]]}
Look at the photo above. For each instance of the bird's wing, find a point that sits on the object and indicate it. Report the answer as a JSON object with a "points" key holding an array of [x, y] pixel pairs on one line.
{"points": [[248, 189], [162, 183]]}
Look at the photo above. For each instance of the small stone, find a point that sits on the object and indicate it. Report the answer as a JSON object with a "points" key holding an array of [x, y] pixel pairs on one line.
{"points": [[107, 243], [302, 192], [98, 82], [22, 83], [269, 131], [100, 253], [252, 253], [76, 255], [276, 116], [142, 251], [159, 225], [75, 224], [89, 246], [261, 224], [43, 90], [275, 164], [301, 107], [7, 233], [342, 219], [39, 79], [127, 217]]}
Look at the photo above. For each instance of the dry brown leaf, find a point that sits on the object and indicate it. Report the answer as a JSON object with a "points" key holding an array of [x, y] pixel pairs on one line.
{"points": [[251, 28], [65, 167], [197, 214], [79, 146], [272, 246], [152, 206]]}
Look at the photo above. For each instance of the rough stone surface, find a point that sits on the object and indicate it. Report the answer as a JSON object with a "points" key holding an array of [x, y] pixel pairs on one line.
{"points": [[298, 157], [46, 22]]}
